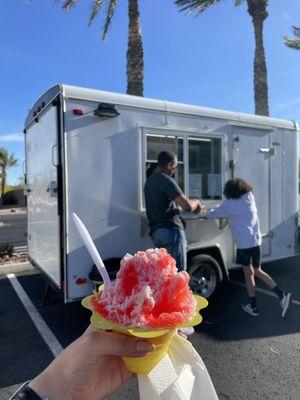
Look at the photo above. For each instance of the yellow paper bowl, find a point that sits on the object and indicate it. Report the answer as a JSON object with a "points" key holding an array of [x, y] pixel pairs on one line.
{"points": [[144, 365], [160, 337]]}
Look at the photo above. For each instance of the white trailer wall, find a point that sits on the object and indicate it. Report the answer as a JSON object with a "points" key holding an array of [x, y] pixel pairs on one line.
{"points": [[103, 176]]}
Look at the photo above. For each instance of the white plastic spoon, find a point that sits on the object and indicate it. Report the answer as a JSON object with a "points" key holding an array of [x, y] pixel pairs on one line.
{"points": [[88, 241]]}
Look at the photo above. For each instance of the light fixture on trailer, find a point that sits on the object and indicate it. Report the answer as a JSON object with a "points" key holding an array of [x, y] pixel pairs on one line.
{"points": [[106, 110]]}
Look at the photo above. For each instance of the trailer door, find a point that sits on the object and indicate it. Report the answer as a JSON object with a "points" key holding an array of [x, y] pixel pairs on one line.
{"points": [[252, 152], [42, 204]]}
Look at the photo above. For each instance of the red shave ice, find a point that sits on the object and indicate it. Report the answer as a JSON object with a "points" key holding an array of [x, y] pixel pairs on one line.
{"points": [[148, 292]]}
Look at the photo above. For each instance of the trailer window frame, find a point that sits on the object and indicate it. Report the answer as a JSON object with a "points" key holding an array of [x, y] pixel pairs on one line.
{"points": [[210, 174], [186, 135]]}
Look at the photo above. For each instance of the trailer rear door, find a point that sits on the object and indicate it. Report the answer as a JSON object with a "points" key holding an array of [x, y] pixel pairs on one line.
{"points": [[42, 203], [252, 154]]}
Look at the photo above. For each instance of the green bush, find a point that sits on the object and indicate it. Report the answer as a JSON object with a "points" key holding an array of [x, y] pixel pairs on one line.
{"points": [[6, 250], [9, 199]]}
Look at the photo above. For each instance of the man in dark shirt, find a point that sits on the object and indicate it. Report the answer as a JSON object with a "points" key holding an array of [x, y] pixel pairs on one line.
{"points": [[162, 197]]}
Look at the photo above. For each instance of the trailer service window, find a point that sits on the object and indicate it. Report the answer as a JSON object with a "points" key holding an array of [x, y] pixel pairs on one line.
{"points": [[157, 143], [204, 155], [203, 162]]}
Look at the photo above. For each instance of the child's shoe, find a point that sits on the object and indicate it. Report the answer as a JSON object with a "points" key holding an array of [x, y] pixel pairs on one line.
{"points": [[249, 309]]}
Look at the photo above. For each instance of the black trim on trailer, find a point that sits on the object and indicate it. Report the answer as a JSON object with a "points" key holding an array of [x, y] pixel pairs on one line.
{"points": [[63, 215], [60, 194]]}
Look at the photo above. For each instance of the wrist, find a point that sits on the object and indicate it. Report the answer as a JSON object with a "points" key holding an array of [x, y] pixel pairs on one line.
{"points": [[25, 392], [45, 385]]}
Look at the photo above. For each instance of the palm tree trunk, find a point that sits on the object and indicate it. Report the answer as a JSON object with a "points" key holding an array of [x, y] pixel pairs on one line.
{"points": [[3, 182], [135, 54], [257, 9]]}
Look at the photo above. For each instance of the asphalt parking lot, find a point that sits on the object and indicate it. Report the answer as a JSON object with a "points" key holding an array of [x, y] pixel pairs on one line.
{"points": [[248, 358]]}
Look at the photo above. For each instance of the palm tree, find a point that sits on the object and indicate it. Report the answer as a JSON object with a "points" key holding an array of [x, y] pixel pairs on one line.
{"points": [[135, 54], [6, 161], [257, 9], [293, 43]]}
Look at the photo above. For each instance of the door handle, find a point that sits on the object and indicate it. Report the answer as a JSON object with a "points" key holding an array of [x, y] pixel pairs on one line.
{"points": [[54, 156], [267, 150]]}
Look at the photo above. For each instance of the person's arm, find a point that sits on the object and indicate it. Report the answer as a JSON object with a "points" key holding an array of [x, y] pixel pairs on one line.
{"points": [[221, 211], [172, 189], [91, 367], [189, 205]]}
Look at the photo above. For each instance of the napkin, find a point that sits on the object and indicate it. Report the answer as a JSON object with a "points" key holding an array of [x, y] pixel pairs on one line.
{"points": [[180, 375]]}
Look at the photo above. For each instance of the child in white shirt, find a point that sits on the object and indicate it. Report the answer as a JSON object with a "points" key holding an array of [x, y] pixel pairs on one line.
{"points": [[240, 208]]}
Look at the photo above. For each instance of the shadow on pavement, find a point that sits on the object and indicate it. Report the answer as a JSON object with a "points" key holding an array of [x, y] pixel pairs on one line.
{"points": [[23, 351], [67, 321], [224, 318]]}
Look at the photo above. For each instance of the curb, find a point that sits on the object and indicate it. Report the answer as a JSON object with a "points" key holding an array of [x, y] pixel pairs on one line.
{"points": [[15, 268], [7, 211]]}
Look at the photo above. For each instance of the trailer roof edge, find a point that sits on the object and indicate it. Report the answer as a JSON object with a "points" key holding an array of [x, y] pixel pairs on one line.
{"points": [[154, 104], [42, 102], [163, 105]]}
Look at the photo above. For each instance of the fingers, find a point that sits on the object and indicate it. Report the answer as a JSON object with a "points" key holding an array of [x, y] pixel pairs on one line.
{"points": [[107, 343]]}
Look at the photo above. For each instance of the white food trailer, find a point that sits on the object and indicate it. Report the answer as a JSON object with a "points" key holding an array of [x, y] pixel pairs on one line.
{"points": [[87, 151]]}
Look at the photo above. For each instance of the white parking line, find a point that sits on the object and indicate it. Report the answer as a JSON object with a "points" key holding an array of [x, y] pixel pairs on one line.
{"points": [[267, 292], [38, 321]]}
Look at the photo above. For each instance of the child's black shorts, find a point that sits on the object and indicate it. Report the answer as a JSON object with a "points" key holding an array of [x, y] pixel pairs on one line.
{"points": [[248, 257]]}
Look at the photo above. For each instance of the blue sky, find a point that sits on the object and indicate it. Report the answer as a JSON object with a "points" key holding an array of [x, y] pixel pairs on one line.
{"points": [[206, 61]]}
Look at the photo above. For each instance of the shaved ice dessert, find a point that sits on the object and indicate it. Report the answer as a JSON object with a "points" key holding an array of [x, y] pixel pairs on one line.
{"points": [[149, 299], [148, 293]]}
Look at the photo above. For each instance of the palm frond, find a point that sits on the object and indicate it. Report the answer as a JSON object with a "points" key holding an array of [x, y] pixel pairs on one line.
{"points": [[96, 5], [296, 31], [110, 13], [12, 161], [197, 6], [238, 2], [68, 4], [3, 156], [6, 160], [292, 43]]}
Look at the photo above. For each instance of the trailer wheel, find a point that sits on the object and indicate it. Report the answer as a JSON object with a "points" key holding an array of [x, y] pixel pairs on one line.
{"points": [[205, 275]]}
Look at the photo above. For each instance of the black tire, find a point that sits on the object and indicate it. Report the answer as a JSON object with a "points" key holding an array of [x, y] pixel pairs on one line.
{"points": [[205, 275]]}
